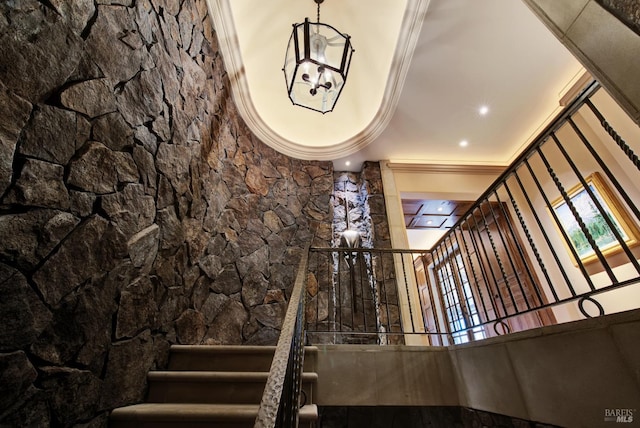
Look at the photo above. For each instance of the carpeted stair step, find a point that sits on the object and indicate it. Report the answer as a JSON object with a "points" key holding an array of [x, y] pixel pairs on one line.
{"points": [[175, 415], [233, 358], [214, 387]]}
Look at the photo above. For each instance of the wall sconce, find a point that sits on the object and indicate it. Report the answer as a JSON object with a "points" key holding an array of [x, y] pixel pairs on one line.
{"points": [[351, 238], [316, 64]]}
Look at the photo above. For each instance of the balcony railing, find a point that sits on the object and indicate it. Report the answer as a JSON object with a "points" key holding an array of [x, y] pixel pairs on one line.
{"points": [[555, 238], [353, 296]]}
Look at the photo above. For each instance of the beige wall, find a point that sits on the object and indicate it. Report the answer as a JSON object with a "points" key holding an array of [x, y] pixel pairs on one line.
{"points": [[408, 295], [608, 49], [432, 183], [565, 375], [459, 183], [605, 46], [625, 172], [439, 182], [425, 182]]}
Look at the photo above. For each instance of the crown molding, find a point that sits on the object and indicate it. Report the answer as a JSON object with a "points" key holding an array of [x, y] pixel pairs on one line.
{"points": [[575, 86], [444, 168], [222, 17]]}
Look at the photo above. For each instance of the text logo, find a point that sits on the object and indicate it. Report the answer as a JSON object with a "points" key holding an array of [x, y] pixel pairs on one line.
{"points": [[619, 415]]}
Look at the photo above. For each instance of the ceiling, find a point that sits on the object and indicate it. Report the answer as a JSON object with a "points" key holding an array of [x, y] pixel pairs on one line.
{"points": [[433, 214], [420, 73]]}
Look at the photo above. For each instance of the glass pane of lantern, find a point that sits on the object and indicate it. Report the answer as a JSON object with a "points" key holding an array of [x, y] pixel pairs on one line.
{"points": [[290, 61], [327, 45], [318, 91], [299, 30], [315, 80]]}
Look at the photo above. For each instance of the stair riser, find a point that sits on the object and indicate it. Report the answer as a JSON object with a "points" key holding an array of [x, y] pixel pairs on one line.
{"points": [[211, 392], [220, 362], [228, 362]]}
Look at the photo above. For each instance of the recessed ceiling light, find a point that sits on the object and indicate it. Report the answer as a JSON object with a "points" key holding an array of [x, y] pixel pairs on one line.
{"points": [[464, 143], [347, 163], [429, 222], [439, 208], [483, 110]]}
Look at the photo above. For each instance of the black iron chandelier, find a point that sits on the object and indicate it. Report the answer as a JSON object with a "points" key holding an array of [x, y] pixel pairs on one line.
{"points": [[316, 64]]}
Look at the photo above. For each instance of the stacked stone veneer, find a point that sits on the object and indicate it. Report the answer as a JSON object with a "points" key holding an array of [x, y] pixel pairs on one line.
{"points": [[367, 213], [136, 208], [351, 301]]}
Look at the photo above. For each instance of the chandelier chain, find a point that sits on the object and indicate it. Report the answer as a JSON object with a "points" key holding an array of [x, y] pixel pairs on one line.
{"points": [[318, 2]]}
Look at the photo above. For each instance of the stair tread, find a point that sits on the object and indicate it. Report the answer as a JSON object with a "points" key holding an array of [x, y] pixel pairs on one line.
{"points": [[198, 412], [231, 349], [223, 349], [207, 376], [233, 375]]}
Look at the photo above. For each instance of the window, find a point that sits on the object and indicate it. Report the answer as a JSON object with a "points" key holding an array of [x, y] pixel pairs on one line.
{"points": [[457, 299]]}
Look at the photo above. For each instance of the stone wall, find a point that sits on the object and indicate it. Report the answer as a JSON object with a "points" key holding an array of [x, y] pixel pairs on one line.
{"points": [[136, 208], [367, 212], [349, 300]]}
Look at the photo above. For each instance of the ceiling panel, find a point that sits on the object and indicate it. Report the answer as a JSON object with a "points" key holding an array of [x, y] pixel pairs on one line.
{"points": [[434, 214]]}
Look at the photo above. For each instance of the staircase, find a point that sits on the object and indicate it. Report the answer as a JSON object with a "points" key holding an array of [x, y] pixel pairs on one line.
{"points": [[212, 386]]}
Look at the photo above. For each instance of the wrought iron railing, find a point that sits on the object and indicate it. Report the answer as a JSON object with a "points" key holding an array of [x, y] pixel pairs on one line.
{"points": [[282, 394], [555, 238], [355, 297]]}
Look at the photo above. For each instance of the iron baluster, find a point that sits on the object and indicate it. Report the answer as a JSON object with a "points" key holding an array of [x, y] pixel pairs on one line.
{"points": [[562, 232], [504, 244], [605, 168], [598, 205], [494, 280], [532, 245], [614, 135], [578, 219], [473, 271], [406, 286], [497, 257], [485, 278]]}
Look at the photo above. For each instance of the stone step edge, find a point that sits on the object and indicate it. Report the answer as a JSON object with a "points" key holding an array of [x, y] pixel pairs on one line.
{"points": [[198, 412], [214, 376], [232, 349]]}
